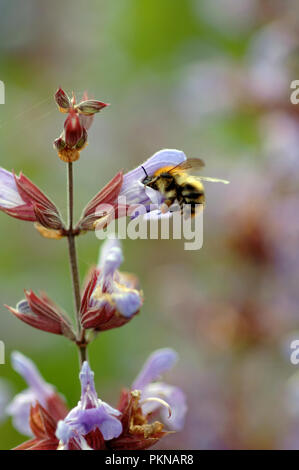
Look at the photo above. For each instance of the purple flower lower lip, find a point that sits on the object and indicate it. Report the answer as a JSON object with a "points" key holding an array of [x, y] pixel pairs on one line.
{"points": [[90, 414]]}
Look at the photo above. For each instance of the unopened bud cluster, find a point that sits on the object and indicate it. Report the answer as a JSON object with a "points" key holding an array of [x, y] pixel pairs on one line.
{"points": [[73, 138]]}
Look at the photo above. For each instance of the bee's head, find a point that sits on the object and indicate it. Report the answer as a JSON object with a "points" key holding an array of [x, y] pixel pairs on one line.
{"points": [[148, 179]]}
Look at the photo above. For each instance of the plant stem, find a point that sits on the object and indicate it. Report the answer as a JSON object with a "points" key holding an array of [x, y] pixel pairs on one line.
{"points": [[81, 343]]}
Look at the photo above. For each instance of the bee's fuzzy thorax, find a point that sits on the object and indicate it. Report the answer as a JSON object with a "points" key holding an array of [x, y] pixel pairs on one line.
{"points": [[164, 169]]}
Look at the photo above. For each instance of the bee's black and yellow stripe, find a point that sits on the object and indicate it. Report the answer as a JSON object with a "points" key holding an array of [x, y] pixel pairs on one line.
{"points": [[180, 186]]}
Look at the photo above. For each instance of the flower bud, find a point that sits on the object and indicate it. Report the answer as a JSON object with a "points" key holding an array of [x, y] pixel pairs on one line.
{"points": [[72, 129], [90, 107], [62, 101], [41, 313], [59, 144], [108, 195], [83, 141]]}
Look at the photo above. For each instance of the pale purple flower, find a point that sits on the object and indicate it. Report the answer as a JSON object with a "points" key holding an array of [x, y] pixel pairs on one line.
{"points": [[268, 57], [112, 297], [9, 194], [158, 363], [124, 296], [133, 189], [39, 390], [134, 198], [90, 414]]}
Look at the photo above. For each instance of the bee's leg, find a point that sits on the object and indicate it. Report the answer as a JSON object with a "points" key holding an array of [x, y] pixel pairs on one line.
{"points": [[167, 204], [188, 207], [196, 209]]}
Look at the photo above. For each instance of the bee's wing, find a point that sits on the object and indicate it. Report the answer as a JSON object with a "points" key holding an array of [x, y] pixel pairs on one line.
{"points": [[191, 163], [212, 180]]}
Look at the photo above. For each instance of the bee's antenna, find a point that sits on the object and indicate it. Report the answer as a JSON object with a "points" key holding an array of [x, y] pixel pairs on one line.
{"points": [[144, 171]]}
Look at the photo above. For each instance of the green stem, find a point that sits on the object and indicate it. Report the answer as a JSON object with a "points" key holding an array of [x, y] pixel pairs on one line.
{"points": [[81, 342]]}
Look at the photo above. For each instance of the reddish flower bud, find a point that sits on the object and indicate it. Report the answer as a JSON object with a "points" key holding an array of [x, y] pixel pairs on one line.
{"points": [[90, 107], [45, 211], [108, 195], [43, 314], [22, 199], [73, 129], [62, 101]]}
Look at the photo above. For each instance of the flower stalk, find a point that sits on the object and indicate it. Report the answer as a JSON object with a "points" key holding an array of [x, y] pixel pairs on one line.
{"points": [[71, 234]]}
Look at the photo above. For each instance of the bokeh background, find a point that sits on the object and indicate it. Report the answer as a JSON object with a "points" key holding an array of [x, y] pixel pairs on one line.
{"points": [[208, 77]]}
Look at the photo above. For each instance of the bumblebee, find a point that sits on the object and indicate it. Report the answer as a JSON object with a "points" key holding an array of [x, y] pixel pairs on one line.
{"points": [[175, 184]]}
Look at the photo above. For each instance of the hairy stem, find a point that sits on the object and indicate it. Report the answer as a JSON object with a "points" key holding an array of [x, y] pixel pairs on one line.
{"points": [[81, 343]]}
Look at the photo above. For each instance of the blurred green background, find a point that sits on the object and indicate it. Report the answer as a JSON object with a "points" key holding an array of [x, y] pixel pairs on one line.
{"points": [[205, 77]]}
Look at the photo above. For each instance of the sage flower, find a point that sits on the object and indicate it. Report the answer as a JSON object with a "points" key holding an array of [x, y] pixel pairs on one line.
{"points": [[124, 193], [111, 298], [91, 414], [133, 190], [38, 391], [157, 364]]}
